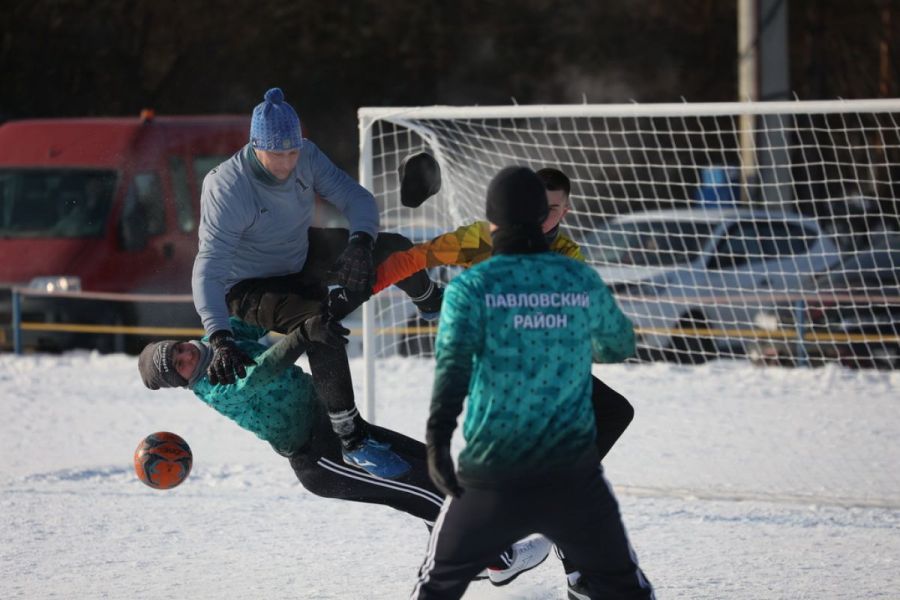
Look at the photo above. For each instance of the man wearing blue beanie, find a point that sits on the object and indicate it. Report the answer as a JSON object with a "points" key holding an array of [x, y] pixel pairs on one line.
{"points": [[260, 260], [275, 126]]}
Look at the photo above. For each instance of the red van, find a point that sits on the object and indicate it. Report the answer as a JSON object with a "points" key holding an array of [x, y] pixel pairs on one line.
{"points": [[104, 204]]}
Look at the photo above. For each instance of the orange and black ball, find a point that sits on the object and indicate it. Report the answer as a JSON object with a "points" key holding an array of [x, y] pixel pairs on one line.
{"points": [[163, 460]]}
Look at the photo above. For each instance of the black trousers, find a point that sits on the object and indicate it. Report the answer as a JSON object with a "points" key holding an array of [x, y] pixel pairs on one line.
{"points": [[612, 415], [322, 471], [283, 303], [577, 511]]}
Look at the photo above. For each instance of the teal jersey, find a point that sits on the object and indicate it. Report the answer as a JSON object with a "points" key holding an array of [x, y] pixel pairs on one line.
{"points": [[518, 333], [278, 403]]}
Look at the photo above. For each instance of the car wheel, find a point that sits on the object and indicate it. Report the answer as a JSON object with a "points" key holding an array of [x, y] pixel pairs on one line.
{"points": [[417, 344], [691, 349], [885, 356]]}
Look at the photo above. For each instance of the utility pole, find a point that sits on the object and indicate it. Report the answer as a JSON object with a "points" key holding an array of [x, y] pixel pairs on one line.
{"points": [[747, 87], [764, 75], [884, 53], [773, 156]]}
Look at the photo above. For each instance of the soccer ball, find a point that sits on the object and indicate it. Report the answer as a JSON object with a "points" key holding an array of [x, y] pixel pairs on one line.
{"points": [[163, 460]]}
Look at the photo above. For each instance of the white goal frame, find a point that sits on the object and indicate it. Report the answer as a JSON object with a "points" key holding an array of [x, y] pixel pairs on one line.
{"points": [[412, 118]]}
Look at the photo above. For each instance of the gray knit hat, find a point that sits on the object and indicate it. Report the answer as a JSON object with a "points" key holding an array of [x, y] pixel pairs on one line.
{"points": [[157, 366]]}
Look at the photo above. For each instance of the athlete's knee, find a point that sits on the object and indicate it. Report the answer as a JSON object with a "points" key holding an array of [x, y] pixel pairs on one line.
{"points": [[318, 482], [388, 243], [610, 405], [626, 411]]}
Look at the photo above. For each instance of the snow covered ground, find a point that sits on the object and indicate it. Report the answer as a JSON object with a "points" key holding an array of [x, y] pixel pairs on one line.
{"points": [[734, 482]]}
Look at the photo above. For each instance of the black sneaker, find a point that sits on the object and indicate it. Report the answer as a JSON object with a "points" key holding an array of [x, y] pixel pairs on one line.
{"points": [[429, 303]]}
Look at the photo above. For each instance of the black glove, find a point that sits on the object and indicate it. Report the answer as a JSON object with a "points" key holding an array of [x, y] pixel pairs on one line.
{"points": [[355, 267], [228, 360], [442, 471], [321, 329]]}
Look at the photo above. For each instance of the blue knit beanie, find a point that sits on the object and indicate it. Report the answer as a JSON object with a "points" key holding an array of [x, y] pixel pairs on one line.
{"points": [[275, 125]]}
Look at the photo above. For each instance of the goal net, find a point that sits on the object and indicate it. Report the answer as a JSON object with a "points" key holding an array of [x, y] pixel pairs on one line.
{"points": [[762, 231]]}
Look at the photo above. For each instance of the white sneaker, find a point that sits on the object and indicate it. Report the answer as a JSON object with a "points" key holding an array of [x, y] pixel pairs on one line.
{"points": [[526, 555]]}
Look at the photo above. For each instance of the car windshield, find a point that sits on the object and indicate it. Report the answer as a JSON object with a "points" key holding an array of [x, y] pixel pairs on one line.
{"points": [[651, 243], [68, 203], [875, 268]]}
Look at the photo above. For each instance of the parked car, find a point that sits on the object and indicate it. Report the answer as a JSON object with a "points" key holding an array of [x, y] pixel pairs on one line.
{"points": [[691, 280], [850, 315], [104, 205]]}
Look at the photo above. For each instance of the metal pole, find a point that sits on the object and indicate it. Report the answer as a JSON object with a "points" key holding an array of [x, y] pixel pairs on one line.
{"points": [[365, 179], [17, 321], [772, 154], [800, 329], [748, 87]]}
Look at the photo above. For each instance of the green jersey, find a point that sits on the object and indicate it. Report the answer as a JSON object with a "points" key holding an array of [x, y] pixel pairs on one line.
{"points": [[517, 333], [276, 400]]}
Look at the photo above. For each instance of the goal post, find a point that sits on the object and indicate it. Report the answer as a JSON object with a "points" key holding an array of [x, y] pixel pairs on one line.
{"points": [[709, 256]]}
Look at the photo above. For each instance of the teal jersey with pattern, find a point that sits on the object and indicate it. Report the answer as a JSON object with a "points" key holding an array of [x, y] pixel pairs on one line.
{"points": [[278, 404], [523, 329]]}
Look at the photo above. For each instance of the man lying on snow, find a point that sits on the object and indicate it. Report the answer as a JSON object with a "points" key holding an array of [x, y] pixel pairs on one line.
{"points": [[278, 402]]}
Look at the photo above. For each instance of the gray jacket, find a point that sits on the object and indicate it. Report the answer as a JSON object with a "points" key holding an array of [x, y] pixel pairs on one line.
{"points": [[253, 226]]}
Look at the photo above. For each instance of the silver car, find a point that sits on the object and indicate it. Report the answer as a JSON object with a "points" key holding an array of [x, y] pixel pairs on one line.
{"points": [[849, 315], [692, 280]]}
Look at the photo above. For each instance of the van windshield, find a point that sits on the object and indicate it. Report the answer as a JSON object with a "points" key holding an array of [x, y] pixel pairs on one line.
{"points": [[69, 203]]}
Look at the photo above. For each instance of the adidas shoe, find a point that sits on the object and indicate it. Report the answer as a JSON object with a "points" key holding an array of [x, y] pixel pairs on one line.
{"points": [[376, 458], [526, 555]]}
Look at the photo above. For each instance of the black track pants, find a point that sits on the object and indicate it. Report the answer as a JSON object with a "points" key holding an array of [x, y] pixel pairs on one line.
{"points": [[612, 415], [322, 471], [577, 512]]}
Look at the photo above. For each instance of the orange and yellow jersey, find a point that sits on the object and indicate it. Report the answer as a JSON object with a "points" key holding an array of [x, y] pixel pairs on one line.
{"points": [[467, 246]]}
